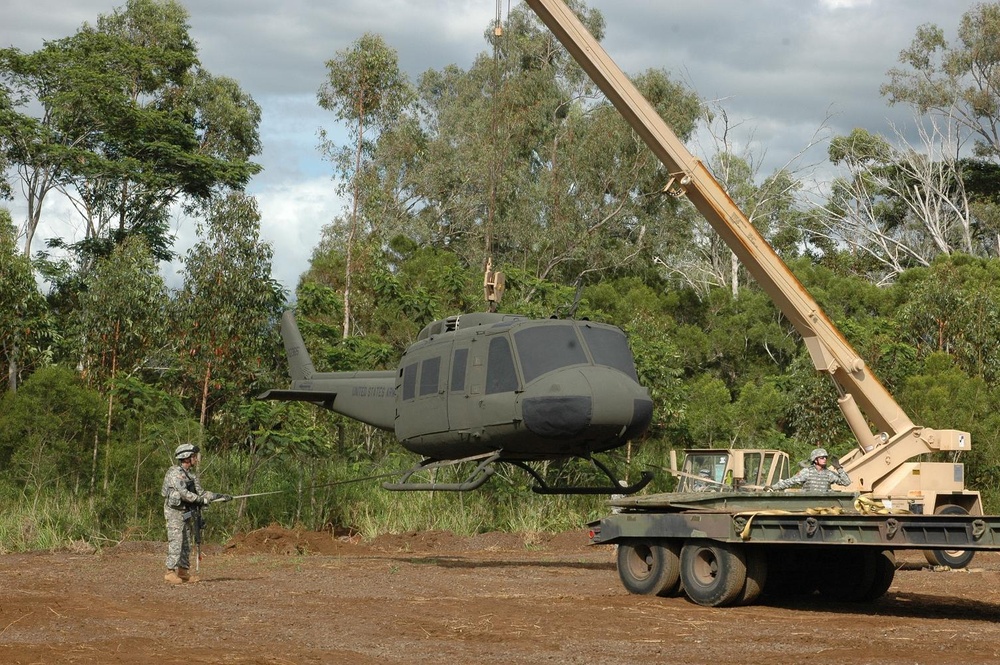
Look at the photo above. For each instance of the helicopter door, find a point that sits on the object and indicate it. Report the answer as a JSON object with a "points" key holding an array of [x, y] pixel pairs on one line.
{"points": [[460, 403], [431, 406], [497, 396]]}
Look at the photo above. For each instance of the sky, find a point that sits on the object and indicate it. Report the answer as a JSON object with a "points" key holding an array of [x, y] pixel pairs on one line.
{"points": [[782, 69]]}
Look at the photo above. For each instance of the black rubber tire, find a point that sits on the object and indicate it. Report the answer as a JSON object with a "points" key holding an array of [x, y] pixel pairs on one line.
{"points": [[951, 558], [885, 572], [756, 560], [713, 573], [848, 576], [649, 568]]}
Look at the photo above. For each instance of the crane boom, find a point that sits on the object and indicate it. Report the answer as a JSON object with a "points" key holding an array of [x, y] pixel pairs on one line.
{"points": [[863, 398]]}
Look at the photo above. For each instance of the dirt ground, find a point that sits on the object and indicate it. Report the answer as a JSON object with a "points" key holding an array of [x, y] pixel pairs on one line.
{"points": [[276, 596]]}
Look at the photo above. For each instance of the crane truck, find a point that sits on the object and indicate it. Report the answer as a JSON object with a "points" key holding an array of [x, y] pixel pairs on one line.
{"points": [[725, 548]]}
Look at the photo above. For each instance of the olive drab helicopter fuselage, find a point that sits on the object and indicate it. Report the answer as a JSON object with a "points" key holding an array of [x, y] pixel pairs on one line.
{"points": [[488, 387]]}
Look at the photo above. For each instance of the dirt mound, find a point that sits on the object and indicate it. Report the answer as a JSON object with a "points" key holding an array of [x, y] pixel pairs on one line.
{"points": [[276, 539]]}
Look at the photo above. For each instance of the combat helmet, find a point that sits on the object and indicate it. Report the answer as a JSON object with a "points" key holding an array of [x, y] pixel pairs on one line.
{"points": [[817, 453], [186, 450]]}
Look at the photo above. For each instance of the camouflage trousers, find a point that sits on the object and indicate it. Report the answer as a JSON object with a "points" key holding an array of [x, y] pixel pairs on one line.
{"points": [[178, 539]]}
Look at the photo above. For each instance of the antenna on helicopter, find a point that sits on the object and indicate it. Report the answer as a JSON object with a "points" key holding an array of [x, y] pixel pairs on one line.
{"points": [[493, 285]]}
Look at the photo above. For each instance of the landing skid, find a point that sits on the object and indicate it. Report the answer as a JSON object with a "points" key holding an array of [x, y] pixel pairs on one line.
{"points": [[480, 475], [484, 471], [616, 486]]}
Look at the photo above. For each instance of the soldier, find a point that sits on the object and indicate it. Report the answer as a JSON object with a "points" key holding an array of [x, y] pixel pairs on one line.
{"points": [[816, 477], [182, 498]]}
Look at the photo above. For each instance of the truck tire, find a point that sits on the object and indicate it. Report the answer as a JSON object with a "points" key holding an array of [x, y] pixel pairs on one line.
{"points": [[885, 572], [951, 558], [649, 569], [713, 573], [848, 575], [756, 560]]}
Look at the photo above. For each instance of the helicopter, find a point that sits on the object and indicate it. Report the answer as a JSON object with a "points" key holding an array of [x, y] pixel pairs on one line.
{"points": [[485, 388]]}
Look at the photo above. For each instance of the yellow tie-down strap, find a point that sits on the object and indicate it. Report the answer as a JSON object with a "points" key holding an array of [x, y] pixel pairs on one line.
{"points": [[865, 504]]}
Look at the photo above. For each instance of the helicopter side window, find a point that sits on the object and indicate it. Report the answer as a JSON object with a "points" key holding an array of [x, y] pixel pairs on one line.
{"points": [[500, 374], [430, 374], [458, 363], [410, 381], [545, 348], [609, 347]]}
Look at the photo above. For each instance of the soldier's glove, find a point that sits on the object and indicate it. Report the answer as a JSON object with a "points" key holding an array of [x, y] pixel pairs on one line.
{"points": [[835, 463], [768, 488], [223, 497], [204, 500]]}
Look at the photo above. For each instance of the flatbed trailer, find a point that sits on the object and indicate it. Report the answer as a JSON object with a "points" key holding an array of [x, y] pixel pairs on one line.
{"points": [[723, 549]]}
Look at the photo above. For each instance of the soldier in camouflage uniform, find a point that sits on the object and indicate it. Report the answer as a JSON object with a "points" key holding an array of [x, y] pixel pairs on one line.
{"points": [[816, 477], [182, 498]]}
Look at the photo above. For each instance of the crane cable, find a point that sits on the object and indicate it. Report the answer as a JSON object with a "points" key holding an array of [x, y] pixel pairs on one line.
{"points": [[498, 34]]}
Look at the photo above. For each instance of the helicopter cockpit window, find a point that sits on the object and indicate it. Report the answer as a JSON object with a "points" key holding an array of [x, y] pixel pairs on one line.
{"points": [[542, 349], [410, 381], [430, 373], [609, 347], [500, 374], [458, 363]]}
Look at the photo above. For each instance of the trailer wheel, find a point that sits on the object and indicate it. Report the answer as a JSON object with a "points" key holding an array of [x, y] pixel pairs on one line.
{"points": [[756, 560], [649, 569], [713, 573], [950, 558], [848, 575], [885, 571]]}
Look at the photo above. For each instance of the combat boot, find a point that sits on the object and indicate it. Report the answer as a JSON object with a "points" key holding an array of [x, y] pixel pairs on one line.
{"points": [[172, 577], [186, 576]]}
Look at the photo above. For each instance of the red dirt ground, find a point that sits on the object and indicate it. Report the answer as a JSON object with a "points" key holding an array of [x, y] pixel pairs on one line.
{"points": [[280, 597]]}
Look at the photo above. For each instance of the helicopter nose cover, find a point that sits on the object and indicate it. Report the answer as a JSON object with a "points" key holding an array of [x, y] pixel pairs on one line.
{"points": [[557, 415]]}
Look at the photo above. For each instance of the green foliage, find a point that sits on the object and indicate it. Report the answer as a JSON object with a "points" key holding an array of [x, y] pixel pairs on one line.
{"points": [[47, 432], [23, 320]]}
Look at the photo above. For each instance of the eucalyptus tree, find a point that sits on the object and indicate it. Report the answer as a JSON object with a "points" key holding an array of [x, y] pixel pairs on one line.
{"points": [[121, 119], [958, 85], [22, 308], [364, 88], [123, 323], [898, 205], [226, 308]]}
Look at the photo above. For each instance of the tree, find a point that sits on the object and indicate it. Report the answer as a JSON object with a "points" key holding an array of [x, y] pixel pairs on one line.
{"points": [[958, 82], [364, 87], [227, 306], [129, 125], [123, 322], [901, 207], [22, 308]]}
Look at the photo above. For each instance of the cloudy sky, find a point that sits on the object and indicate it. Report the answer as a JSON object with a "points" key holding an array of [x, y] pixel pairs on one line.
{"points": [[781, 68]]}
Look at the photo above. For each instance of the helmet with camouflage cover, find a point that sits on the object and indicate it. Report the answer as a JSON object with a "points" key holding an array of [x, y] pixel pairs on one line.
{"points": [[186, 450], [817, 453]]}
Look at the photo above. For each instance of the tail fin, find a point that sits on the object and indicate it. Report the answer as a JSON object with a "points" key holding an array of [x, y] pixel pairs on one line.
{"points": [[299, 364]]}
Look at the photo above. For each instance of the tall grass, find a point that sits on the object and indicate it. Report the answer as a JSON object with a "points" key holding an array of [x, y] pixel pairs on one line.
{"points": [[315, 495]]}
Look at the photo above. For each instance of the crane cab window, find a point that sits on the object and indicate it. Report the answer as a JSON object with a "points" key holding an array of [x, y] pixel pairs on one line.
{"points": [[545, 348], [430, 375], [500, 374], [410, 381]]}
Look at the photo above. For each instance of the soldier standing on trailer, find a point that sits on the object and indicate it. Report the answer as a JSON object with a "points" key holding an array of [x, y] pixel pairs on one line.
{"points": [[817, 477]]}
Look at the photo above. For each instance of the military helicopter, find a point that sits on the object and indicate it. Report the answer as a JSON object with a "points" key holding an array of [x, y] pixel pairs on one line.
{"points": [[488, 388]]}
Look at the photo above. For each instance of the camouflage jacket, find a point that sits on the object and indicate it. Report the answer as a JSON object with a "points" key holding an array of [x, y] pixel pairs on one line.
{"points": [[812, 479], [181, 488]]}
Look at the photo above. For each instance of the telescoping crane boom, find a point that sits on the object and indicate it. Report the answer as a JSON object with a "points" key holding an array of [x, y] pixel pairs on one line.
{"points": [[881, 462]]}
